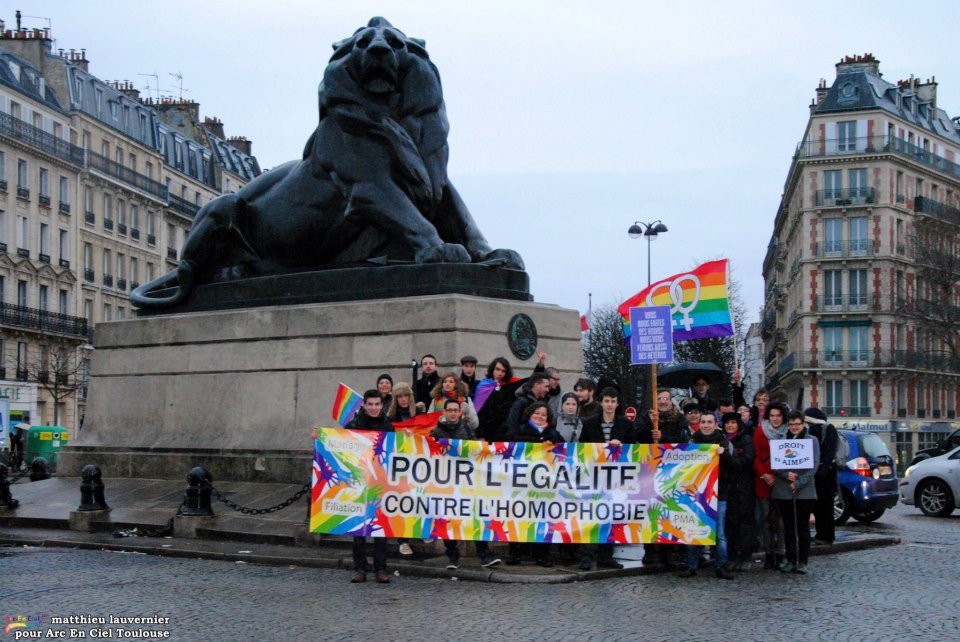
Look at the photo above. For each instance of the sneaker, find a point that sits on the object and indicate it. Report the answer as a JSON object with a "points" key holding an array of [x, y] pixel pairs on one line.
{"points": [[687, 572], [383, 578], [610, 563], [801, 569], [788, 567], [453, 565], [489, 560], [406, 549], [359, 577]]}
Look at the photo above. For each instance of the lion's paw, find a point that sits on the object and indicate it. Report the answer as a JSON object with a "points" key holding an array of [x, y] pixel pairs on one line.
{"points": [[444, 253], [511, 258]]}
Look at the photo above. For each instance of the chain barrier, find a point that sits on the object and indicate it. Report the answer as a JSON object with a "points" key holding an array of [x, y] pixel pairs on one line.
{"points": [[257, 511]]}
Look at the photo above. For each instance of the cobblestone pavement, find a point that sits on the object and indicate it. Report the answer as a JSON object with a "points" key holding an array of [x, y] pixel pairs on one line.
{"points": [[905, 592]]}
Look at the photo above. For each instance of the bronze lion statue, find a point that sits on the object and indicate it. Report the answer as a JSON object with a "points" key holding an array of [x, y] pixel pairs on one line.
{"points": [[372, 184]]}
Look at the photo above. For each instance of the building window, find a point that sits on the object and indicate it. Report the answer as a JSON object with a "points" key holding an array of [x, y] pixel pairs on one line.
{"points": [[107, 208], [23, 233], [832, 185], [858, 235], [107, 312], [88, 310], [21, 360], [107, 260], [44, 240], [858, 346], [22, 293], [134, 270], [921, 400], [847, 136], [23, 180], [64, 247], [834, 396], [858, 287], [64, 303], [42, 299], [171, 236], [64, 190], [151, 272], [859, 400], [99, 103], [121, 266], [833, 235], [134, 217], [44, 184], [87, 257], [3, 228], [832, 288], [858, 184], [3, 169], [833, 345], [121, 212]]}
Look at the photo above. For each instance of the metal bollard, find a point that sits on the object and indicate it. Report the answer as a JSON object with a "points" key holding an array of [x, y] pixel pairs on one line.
{"points": [[39, 469], [196, 499], [6, 499], [91, 489]]}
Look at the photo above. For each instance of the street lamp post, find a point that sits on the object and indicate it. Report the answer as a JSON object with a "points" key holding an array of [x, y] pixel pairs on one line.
{"points": [[650, 232]]}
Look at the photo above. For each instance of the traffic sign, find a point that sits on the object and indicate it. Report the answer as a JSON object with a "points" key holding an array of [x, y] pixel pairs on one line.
{"points": [[630, 413]]}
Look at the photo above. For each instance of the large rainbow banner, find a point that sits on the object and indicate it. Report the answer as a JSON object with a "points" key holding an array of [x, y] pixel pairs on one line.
{"points": [[698, 300], [383, 484]]}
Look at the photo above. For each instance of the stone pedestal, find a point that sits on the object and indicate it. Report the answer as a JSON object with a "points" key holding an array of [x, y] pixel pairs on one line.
{"points": [[238, 392]]}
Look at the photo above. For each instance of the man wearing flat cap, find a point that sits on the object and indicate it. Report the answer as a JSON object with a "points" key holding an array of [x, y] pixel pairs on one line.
{"points": [[468, 373]]}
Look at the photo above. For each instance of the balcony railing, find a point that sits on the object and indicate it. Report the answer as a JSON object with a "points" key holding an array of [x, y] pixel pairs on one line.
{"points": [[64, 208], [875, 145], [183, 206], [846, 196], [121, 283], [23, 192], [135, 234], [108, 280], [27, 133], [935, 208], [843, 303], [65, 263], [44, 258], [89, 217], [151, 239], [847, 411], [121, 229], [89, 275], [126, 175], [870, 359], [172, 253], [844, 249], [21, 374], [108, 224], [41, 320], [23, 252], [44, 201]]}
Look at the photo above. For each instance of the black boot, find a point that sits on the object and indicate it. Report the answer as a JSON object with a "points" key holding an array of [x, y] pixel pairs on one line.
{"points": [[769, 562]]}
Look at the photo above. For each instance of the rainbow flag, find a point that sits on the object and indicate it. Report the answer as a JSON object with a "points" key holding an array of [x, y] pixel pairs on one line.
{"points": [[420, 425], [346, 404], [698, 298]]}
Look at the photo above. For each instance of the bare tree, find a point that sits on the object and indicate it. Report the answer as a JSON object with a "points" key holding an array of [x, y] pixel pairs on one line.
{"points": [[606, 355], [59, 370]]}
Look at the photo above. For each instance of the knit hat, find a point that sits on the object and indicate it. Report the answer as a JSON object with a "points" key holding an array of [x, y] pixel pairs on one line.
{"points": [[814, 416], [731, 416], [690, 405], [385, 376]]}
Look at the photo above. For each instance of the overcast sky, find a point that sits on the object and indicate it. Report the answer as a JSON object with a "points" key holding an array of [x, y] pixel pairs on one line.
{"points": [[569, 120]]}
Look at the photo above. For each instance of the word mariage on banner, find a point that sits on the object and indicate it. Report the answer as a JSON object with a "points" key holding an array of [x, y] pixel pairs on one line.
{"points": [[698, 302], [383, 484]]}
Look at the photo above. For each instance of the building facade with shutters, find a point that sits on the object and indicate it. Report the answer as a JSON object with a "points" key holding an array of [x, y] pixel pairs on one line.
{"points": [[98, 190], [861, 273]]}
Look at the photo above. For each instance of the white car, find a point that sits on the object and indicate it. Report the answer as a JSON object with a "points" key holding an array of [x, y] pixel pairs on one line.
{"points": [[933, 484]]}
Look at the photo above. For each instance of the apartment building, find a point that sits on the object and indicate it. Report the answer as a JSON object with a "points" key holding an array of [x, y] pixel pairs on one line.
{"points": [[862, 269], [98, 190]]}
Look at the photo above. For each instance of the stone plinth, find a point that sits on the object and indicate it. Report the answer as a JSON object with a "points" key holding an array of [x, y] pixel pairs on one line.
{"points": [[239, 391]]}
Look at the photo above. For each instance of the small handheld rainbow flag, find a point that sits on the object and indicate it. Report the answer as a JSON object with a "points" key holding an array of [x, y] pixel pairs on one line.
{"points": [[698, 300], [420, 425], [346, 404]]}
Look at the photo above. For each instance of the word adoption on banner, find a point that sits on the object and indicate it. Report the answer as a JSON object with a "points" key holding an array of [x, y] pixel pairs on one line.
{"points": [[385, 484], [789, 454]]}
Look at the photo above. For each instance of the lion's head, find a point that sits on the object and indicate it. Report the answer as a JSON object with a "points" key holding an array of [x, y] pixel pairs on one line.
{"points": [[378, 56]]}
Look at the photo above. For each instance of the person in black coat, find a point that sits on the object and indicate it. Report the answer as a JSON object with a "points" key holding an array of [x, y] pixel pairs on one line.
{"points": [[825, 478], [672, 426], [423, 386], [370, 417], [536, 427], [739, 489], [605, 428]]}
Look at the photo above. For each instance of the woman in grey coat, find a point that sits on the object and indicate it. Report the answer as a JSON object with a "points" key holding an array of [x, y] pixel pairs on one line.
{"points": [[795, 495]]}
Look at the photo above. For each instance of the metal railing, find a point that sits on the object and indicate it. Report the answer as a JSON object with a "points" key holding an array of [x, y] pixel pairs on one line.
{"points": [[125, 174], [843, 303], [846, 196], [934, 361], [42, 320], [183, 206], [876, 144], [935, 208], [844, 249], [847, 411], [27, 133]]}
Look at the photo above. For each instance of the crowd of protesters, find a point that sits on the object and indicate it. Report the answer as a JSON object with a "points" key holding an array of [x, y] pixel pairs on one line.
{"points": [[758, 509]]}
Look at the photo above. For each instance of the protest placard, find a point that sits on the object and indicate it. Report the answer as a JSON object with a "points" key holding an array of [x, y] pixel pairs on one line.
{"points": [[791, 454]]}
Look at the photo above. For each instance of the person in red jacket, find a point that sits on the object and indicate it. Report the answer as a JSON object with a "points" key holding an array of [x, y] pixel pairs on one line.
{"points": [[768, 521]]}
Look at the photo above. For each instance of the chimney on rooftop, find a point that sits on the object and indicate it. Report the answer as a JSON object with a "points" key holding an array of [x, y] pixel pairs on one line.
{"points": [[927, 91], [242, 144], [214, 126], [866, 62]]}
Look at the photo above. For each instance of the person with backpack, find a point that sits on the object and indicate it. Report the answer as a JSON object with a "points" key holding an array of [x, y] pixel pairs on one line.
{"points": [[825, 478]]}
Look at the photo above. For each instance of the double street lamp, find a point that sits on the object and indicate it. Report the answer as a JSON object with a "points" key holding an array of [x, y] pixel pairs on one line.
{"points": [[650, 231]]}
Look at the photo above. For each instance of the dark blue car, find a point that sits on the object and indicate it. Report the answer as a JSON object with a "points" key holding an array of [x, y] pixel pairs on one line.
{"points": [[868, 483]]}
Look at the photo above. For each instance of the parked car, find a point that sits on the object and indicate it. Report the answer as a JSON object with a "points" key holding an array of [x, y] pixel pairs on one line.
{"points": [[943, 446], [933, 484], [867, 483]]}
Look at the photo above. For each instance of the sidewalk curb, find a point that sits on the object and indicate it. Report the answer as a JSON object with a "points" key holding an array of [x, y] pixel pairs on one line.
{"points": [[289, 557]]}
